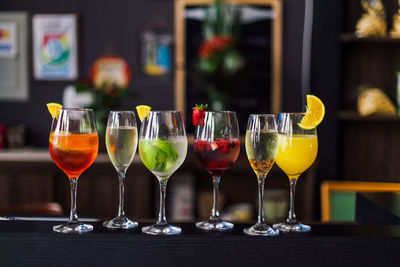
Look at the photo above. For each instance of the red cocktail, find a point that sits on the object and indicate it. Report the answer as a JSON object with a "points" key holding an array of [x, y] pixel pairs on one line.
{"points": [[217, 146], [218, 155]]}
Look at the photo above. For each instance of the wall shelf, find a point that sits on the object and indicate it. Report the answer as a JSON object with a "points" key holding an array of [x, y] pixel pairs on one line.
{"points": [[354, 116], [350, 37]]}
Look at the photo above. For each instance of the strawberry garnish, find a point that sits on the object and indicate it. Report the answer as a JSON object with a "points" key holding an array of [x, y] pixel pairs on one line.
{"points": [[198, 114]]}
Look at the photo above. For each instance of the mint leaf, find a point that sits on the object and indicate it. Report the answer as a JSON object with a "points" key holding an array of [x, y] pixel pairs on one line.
{"points": [[158, 155], [148, 154], [167, 148], [161, 159]]}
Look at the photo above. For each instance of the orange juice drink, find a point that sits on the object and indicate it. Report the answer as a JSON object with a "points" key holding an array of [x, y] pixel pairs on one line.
{"points": [[296, 153]]}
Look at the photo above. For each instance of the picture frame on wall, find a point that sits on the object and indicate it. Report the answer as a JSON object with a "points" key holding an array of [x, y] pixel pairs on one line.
{"points": [[239, 69], [14, 51], [55, 47]]}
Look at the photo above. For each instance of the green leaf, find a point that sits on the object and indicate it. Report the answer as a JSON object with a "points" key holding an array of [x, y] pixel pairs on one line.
{"points": [[219, 18], [158, 155], [148, 154], [232, 61], [208, 26], [207, 65], [236, 22], [226, 24], [169, 149], [161, 158]]}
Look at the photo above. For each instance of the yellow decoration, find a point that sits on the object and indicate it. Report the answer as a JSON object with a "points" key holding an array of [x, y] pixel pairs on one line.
{"points": [[53, 108], [143, 111], [154, 70], [315, 113], [396, 24], [372, 23], [374, 101]]}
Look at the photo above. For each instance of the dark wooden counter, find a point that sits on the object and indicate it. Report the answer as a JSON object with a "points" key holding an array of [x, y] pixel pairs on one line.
{"points": [[34, 243]]}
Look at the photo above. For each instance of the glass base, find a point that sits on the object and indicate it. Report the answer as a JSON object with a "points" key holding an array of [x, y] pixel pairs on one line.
{"points": [[292, 227], [214, 225], [73, 228], [120, 223], [261, 230], [164, 229]]}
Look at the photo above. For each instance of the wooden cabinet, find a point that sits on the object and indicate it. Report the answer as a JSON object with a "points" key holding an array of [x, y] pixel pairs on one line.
{"points": [[369, 145], [32, 177]]}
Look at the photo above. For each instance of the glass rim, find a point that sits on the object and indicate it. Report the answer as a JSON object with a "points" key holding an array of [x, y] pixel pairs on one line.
{"points": [[262, 114], [76, 109], [165, 111], [293, 113], [220, 112], [121, 111]]}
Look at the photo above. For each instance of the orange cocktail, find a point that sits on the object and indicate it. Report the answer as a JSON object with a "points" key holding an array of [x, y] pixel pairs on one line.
{"points": [[73, 153], [73, 145]]}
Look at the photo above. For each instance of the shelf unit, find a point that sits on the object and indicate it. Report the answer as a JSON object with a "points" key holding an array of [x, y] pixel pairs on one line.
{"points": [[369, 145], [353, 116], [350, 37]]}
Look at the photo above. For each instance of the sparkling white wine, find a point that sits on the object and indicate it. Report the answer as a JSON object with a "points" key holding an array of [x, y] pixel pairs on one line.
{"points": [[121, 146], [163, 156], [261, 150]]}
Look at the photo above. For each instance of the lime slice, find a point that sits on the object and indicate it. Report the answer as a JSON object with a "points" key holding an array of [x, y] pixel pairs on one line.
{"points": [[53, 108], [315, 113], [143, 111]]}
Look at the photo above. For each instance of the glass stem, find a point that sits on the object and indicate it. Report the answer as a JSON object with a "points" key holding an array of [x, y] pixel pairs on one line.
{"points": [[261, 182], [292, 215], [162, 220], [215, 212], [73, 215], [121, 178]]}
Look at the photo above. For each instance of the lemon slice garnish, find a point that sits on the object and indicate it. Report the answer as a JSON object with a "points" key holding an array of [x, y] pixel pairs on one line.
{"points": [[143, 111], [53, 108], [315, 113]]}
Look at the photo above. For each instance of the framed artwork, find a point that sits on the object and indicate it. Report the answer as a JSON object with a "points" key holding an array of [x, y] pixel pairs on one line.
{"points": [[55, 46], [14, 51], [236, 66], [156, 53]]}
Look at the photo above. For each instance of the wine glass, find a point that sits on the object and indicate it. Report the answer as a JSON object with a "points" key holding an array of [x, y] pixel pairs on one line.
{"points": [[297, 151], [73, 146], [162, 149], [121, 143], [217, 146], [261, 150]]}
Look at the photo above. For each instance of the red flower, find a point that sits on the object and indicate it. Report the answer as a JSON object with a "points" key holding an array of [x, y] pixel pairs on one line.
{"points": [[215, 44]]}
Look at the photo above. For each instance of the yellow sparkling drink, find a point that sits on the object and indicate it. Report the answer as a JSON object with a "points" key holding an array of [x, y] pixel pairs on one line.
{"points": [[296, 153]]}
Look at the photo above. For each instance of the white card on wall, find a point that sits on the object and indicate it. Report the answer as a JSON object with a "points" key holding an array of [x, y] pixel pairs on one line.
{"points": [[14, 56], [8, 39]]}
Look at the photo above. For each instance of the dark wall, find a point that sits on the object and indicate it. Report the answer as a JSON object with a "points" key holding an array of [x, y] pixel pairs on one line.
{"points": [[325, 83], [105, 26], [293, 21], [116, 26], [326, 80]]}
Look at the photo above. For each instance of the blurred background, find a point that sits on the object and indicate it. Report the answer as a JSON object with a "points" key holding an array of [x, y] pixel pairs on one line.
{"points": [[155, 52]]}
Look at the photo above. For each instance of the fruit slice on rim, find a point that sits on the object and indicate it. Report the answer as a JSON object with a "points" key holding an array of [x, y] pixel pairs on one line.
{"points": [[315, 113], [143, 111], [53, 108]]}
